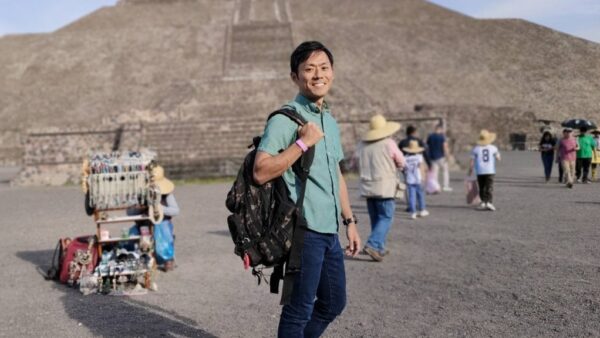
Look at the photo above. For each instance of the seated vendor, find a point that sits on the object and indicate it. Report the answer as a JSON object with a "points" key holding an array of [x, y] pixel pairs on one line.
{"points": [[164, 246]]}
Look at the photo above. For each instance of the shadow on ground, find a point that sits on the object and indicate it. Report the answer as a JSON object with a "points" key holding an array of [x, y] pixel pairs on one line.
{"points": [[225, 233], [116, 316]]}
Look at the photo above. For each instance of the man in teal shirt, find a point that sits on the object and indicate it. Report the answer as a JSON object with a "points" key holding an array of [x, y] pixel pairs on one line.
{"points": [[584, 155], [319, 291]]}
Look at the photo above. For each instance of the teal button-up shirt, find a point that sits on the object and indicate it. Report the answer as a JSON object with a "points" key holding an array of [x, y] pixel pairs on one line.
{"points": [[322, 197]]}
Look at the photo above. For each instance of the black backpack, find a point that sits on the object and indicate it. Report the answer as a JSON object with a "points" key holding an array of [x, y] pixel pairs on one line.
{"points": [[266, 226]]}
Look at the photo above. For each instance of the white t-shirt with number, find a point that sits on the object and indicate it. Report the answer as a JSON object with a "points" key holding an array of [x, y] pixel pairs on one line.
{"points": [[412, 171], [485, 159]]}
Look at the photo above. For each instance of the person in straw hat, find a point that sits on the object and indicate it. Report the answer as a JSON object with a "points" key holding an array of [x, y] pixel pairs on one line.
{"points": [[378, 160], [414, 174], [163, 231], [483, 161]]}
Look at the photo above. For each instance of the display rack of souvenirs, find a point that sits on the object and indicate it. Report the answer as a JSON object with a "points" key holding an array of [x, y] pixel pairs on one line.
{"points": [[120, 182]]}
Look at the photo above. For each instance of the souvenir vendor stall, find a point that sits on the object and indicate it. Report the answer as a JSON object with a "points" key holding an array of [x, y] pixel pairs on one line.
{"points": [[119, 188]]}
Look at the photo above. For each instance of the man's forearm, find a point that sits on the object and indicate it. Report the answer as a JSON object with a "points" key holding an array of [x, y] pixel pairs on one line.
{"points": [[344, 198]]}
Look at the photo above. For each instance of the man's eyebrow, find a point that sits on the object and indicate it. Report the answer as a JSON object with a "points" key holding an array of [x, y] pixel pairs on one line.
{"points": [[321, 64]]}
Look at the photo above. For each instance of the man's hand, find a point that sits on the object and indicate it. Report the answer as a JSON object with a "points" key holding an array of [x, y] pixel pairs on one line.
{"points": [[353, 240], [310, 134]]}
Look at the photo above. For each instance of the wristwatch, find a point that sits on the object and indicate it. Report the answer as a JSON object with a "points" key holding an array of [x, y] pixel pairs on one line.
{"points": [[348, 221]]}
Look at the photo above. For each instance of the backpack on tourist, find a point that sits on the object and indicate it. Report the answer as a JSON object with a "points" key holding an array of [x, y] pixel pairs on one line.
{"points": [[266, 226]]}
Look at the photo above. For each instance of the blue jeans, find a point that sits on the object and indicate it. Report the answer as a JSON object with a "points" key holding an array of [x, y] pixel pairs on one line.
{"points": [[381, 213], [548, 161], [415, 195], [321, 275]]}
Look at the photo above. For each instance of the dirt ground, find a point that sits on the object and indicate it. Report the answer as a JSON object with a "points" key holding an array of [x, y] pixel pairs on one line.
{"points": [[529, 269]]}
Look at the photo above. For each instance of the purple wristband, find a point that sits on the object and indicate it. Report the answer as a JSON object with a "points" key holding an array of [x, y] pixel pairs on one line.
{"points": [[301, 145]]}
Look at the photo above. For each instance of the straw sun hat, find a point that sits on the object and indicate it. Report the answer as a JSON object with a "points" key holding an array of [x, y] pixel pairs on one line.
{"points": [[380, 128], [413, 147], [165, 185], [486, 137]]}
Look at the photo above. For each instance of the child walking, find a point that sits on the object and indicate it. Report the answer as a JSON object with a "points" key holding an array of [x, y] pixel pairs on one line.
{"points": [[483, 160], [414, 174]]}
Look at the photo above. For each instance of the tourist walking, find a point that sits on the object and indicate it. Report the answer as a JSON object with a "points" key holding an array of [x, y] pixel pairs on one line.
{"points": [[561, 171], [378, 160], [567, 150], [319, 288], [483, 161], [584, 155], [437, 148], [414, 174], [547, 148], [595, 154]]}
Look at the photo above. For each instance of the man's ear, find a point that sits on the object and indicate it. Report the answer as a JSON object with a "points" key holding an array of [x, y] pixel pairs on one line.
{"points": [[293, 76]]}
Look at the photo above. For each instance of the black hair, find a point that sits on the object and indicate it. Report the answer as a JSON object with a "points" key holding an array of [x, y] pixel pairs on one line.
{"points": [[583, 129], [410, 129], [304, 51]]}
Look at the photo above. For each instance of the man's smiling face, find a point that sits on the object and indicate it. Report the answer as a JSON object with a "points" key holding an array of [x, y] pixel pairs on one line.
{"points": [[314, 77]]}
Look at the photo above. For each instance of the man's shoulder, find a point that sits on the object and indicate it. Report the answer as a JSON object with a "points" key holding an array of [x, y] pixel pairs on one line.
{"points": [[280, 121], [280, 118]]}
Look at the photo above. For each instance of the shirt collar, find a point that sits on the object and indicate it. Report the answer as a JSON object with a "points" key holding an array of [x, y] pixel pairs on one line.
{"points": [[311, 106]]}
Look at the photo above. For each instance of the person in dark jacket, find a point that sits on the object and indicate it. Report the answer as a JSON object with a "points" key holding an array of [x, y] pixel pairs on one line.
{"points": [[547, 148]]}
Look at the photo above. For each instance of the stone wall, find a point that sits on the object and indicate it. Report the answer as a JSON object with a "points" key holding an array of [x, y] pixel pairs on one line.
{"points": [[462, 123], [11, 147], [215, 146], [53, 156]]}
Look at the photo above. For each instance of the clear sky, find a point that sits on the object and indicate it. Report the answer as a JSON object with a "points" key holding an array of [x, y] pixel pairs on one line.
{"points": [[37, 16], [576, 17]]}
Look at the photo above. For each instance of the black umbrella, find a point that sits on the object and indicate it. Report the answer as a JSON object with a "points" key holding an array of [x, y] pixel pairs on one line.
{"points": [[579, 123]]}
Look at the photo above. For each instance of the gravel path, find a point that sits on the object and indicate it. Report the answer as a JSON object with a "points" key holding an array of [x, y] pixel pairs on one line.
{"points": [[529, 269]]}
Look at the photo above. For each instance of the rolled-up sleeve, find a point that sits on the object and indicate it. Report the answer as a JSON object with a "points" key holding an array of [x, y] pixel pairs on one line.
{"points": [[279, 134]]}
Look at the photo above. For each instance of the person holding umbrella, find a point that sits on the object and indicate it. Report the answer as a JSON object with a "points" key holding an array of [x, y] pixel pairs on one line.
{"points": [[584, 155]]}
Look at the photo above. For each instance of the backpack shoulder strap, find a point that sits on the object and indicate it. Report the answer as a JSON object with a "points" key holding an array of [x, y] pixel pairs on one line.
{"points": [[291, 114], [302, 166]]}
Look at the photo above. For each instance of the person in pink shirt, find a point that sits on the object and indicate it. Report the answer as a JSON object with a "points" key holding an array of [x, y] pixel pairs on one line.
{"points": [[567, 150], [378, 160]]}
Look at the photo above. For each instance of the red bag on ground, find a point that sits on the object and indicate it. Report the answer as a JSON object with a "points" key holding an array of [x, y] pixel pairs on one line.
{"points": [[472, 189], [80, 252]]}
